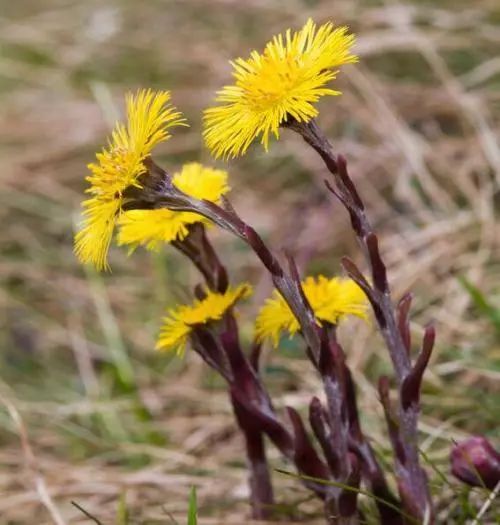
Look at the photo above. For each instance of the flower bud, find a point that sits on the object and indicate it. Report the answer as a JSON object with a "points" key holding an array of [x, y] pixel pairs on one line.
{"points": [[475, 462]]}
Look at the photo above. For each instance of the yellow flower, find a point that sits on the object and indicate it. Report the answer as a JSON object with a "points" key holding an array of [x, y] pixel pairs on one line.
{"points": [[331, 300], [283, 82], [148, 118], [179, 322], [154, 227]]}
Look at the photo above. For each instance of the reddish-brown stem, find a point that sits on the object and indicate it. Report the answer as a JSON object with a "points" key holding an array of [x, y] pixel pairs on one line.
{"points": [[412, 479], [261, 489], [201, 253], [251, 403], [225, 359]]}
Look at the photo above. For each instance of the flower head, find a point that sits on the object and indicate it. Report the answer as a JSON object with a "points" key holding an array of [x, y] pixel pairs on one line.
{"points": [[331, 300], [149, 116], [283, 82], [475, 462], [179, 322], [151, 228]]}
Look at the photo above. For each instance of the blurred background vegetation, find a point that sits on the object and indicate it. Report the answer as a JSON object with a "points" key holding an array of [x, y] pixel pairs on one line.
{"points": [[89, 412]]}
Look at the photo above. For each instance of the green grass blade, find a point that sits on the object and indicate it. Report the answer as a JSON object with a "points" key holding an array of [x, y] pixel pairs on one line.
{"points": [[116, 346], [482, 303], [407, 517], [122, 517], [193, 508]]}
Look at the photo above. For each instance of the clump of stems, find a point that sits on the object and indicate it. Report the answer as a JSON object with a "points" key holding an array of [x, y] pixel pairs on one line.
{"points": [[348, 458], [275, 89]]}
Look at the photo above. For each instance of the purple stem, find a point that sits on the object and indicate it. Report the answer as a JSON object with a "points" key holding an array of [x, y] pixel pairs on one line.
{"points": [[251, 403], [260, 481], [225, 355], [412, 479]]}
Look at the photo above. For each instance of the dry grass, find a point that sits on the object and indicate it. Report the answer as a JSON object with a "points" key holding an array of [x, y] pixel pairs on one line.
{"points": [[91, 412]]}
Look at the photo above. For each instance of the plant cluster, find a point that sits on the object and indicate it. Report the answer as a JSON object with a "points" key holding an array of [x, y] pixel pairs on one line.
{"points": [[149, 206]]}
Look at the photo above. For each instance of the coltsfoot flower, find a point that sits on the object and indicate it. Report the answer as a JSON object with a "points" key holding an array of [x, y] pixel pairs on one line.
{"points": [[283, 82], [152, 228], [179, 322], [331, 300], [149, 116]]}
